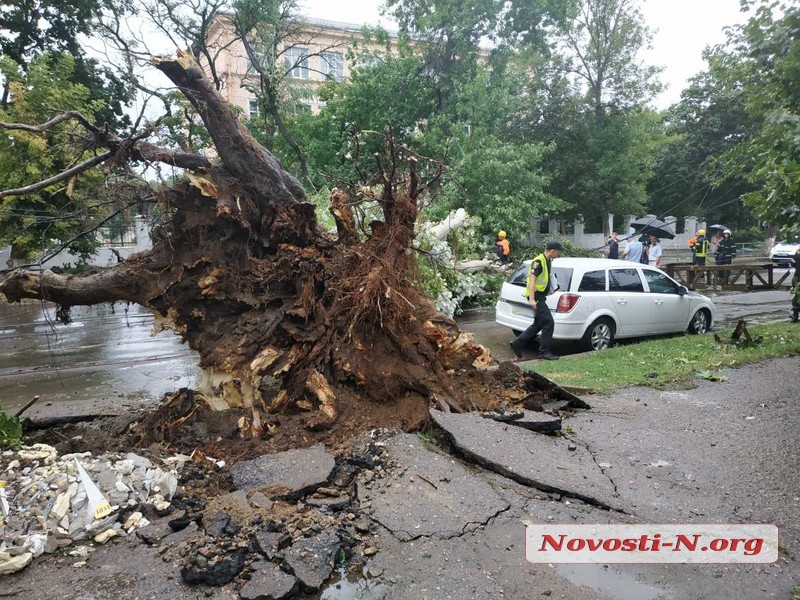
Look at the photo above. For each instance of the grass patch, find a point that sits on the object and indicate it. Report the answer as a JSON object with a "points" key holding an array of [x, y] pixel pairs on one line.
{"points": [[669, 362]]}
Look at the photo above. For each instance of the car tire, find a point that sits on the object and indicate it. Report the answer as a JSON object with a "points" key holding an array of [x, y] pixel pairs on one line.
{"points": [[599, 335], [699, 322]]}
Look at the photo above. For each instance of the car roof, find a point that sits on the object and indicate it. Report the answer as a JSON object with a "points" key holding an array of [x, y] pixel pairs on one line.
{"points": [[590, 263]]}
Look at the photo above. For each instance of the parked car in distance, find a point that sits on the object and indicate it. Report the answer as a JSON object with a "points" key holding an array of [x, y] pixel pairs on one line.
{"points": [[600, 300], [783, 253]]}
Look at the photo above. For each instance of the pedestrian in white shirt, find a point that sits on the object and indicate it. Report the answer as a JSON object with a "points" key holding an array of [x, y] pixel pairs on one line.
{"points": [[656, 252]]}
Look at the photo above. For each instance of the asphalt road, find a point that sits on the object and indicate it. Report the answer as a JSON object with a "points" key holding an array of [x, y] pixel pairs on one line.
{"points": [[109, 352], [723, 452]]}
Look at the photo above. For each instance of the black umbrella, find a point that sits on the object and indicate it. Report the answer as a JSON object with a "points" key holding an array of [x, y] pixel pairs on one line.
{"points": [[717, 227], [653, 226]]}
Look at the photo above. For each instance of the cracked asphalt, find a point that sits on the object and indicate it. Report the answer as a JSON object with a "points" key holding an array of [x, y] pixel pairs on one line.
{"points": [[724, 452]]}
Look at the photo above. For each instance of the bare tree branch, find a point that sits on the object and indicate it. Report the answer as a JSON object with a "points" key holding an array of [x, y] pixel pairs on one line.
{"points": [[84, 166], [52, 123]]}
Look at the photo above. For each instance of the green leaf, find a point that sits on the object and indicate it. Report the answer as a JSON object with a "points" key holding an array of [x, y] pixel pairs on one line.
{"points": [[711, 376], [10, 432]]}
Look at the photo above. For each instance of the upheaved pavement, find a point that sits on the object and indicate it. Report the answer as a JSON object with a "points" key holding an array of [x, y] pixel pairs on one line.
{"points": [[724, 452], [433, 523], [548, 463]]}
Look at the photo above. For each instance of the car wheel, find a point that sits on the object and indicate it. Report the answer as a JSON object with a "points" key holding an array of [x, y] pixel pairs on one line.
{"points": [[699, 322], [600, 335]]}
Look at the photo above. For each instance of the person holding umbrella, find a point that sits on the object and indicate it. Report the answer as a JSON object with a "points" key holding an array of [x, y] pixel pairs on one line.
{"points": [[633, 251], [713, 247]]}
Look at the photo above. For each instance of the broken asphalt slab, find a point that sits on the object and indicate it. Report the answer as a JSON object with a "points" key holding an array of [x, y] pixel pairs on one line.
{"points": [[527, 419], [540, 461], [287, 474], [431, 496]]}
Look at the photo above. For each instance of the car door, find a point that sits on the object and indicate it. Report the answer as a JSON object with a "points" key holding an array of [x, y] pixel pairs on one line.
{"points": [[670, 310], [629, 301]]}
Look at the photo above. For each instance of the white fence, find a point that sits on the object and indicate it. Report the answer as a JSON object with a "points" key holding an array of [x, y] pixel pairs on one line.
{"points": [[135, 240]]}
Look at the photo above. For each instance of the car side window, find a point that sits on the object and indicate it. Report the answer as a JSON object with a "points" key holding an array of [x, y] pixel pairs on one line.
{"points": [[660, 283], [624, 280], [593, 281]]}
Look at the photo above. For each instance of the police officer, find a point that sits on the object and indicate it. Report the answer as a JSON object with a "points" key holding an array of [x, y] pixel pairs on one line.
{"points": [[540, 285]]}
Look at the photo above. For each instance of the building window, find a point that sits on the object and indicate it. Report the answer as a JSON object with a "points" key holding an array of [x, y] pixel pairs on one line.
{"points": [[253, 108], [261, 55], [297, 62], [333, 65]]}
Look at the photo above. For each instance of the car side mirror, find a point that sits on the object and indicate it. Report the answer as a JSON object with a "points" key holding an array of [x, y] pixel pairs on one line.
{"points": [[682, 290]]}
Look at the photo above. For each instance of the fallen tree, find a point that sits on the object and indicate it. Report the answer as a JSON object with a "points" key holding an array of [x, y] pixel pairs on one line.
{"points": [[285, 317]]}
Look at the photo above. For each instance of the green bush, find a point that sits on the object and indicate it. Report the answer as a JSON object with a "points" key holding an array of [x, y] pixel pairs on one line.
{"points": [[10, 432], [750, 234], [569, 249]]}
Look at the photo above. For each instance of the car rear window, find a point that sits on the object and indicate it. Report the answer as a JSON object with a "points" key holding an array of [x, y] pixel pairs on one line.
{"points": [[593, 281], [624, 280], [520, 276]]}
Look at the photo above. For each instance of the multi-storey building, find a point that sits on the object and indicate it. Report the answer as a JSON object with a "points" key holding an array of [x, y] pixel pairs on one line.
{"points": [[313, 52]]}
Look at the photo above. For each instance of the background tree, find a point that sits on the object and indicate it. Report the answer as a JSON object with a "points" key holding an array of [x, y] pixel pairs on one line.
{"points": [[591, 102], [44, 67], [764, 63], [55, 216], [708, 122]]}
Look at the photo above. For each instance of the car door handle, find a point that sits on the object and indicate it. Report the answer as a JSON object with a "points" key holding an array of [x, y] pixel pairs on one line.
{"points": [[622, 301], [659, 302]]}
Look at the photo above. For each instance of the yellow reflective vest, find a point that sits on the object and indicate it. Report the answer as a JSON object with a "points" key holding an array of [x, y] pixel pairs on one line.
{"points": [[701, 246], [542, 280]]}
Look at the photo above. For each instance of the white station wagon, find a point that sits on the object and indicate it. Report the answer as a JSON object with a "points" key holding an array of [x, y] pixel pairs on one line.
{"points": [[600, 300]]}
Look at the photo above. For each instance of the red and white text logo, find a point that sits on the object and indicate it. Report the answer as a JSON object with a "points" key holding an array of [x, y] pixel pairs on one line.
{"points": [[689, 543]]}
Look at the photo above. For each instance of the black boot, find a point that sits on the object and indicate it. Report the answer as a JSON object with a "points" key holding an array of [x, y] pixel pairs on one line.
{"points": [[517, 351]]}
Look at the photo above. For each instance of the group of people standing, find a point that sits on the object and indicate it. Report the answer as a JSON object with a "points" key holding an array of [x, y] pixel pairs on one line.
{"points": [[721, 247], [646, 249]]}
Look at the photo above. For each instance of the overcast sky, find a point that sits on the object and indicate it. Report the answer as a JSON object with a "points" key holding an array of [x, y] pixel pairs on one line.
{"points": [[683, 29]]}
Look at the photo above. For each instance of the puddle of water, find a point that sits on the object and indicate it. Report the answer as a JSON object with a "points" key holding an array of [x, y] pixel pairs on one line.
{"points": [[106, 353], [614, 584], [361, 589]]}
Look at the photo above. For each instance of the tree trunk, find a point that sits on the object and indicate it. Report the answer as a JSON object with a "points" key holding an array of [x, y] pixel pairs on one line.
{"points": [[285, 317]]}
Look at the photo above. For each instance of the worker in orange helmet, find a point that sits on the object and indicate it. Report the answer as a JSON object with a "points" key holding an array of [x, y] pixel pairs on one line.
{"points": [[503, 248]]}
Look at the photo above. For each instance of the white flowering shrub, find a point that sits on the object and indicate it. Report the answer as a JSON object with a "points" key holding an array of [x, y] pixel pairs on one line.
{"points": [[437, 274]]}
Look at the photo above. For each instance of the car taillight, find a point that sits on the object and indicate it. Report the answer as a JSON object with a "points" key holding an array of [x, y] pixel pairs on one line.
{"points": [[567, 302]]}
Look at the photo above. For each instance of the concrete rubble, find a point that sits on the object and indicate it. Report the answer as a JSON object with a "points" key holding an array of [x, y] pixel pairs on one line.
{"points": [[49, 507]]}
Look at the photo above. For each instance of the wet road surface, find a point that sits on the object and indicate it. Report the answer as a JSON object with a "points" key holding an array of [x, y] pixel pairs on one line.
{"points": [[105, 352], [109, 353]]}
